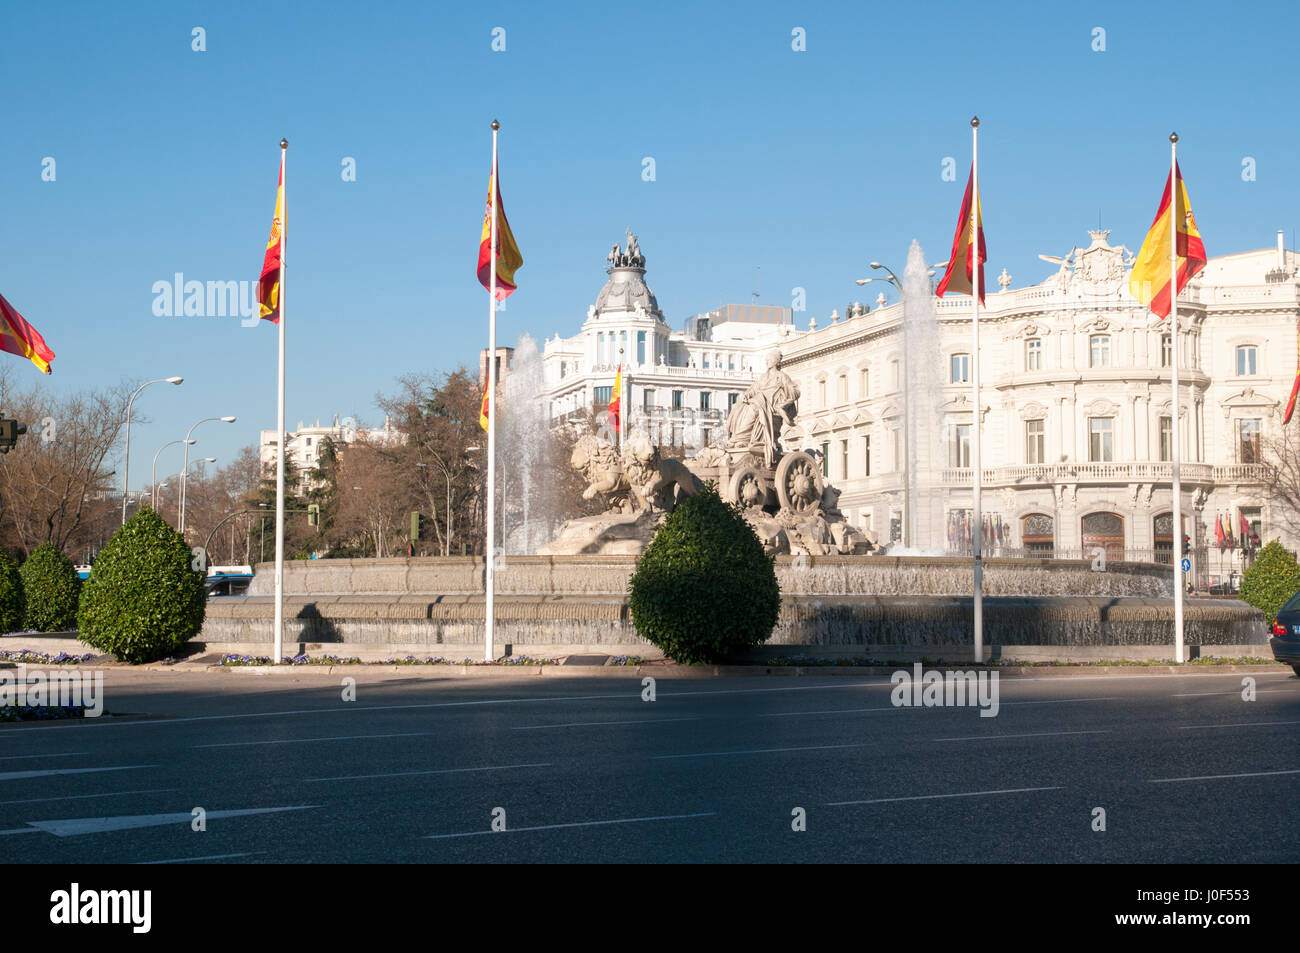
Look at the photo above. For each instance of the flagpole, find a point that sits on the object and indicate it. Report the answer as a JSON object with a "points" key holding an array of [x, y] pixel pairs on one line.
{"points": [[974, 259], [489, 607], [1175, 194], [279, 443]]}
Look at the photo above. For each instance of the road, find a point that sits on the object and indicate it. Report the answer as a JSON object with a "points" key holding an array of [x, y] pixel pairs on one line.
{"points": [[584, 769]]}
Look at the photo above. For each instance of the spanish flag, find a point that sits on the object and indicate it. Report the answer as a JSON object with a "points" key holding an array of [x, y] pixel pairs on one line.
{"points": [[19, 337], [616, 400], [268, 288], [959, 276], [483, 409], [1295, 388], [1149, 281], [508, 258]]}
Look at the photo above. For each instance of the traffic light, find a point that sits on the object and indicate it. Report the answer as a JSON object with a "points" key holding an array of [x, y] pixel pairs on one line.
{"points": [[10, 431], [313, 514], [417, 523]]}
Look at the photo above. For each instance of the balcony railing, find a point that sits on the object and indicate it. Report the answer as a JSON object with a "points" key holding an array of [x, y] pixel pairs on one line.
{"points": [[1121, 472]]}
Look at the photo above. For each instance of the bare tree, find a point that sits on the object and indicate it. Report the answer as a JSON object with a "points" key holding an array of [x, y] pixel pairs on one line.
{"points": [[1280, 456]]}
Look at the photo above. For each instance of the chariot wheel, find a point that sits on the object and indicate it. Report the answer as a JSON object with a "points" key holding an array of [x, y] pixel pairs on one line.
{"points": [[799, 483], [746, 487]]}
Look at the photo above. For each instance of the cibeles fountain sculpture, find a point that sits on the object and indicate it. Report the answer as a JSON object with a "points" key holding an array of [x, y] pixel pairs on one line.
{"points": [[781, 492]]}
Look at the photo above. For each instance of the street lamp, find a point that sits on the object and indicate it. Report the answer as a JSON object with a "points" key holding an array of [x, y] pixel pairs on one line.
{"points": [[227, 420], [126, 469], [183, 472], [446, 540], [153, 473]]}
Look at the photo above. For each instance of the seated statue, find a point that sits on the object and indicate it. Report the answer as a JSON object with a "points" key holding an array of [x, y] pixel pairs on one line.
{"points": [[754, 423]]}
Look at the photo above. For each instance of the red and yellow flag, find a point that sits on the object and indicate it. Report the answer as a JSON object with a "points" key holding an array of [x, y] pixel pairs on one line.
{"points": [[508, 258], [1149, 281], [960, 275], [1295, 388], [268, 288], [483, 409], [616, 399], [19, 337]]}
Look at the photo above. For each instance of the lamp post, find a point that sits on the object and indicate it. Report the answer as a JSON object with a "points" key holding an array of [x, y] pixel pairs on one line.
{"points": [[446, 541], [126, 468], [153, 474], [188, 441], [183, 472]]}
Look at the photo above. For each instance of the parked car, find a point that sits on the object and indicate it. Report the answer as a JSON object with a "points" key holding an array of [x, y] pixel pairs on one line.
{"points": [[1286, 634], [228, 580]]}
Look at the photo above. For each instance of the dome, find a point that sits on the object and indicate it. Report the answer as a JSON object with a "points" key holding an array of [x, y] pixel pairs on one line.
{"points": [[626, 290]]}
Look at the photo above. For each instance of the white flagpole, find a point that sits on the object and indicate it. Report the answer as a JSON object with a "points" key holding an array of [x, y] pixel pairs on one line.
{"points": [[977, 463], [279, 443], [1175, 193], [489, 607]]}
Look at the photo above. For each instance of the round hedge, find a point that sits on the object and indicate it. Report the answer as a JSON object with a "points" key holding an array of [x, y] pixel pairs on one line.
{"points": [[704, 588], [1271, 580], [143, 599], [13, 601], [52, 588]]}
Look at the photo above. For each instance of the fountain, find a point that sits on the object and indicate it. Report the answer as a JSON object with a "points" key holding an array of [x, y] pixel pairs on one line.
{"points": [[922, 376]]}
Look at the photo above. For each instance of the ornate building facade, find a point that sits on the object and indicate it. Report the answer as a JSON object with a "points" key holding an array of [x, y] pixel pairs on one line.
{"points": [[1075, 403]]}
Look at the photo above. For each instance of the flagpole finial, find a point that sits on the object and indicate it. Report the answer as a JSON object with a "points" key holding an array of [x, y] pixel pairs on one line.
{"points": [[975, 122], [495, 125], [1173, 137], [284, 143]]}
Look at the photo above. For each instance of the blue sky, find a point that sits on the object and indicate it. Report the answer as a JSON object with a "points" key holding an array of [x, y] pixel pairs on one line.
{"points": [[808, 164]]}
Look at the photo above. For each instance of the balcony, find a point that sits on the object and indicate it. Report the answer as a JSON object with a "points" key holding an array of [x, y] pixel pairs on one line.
{"points": [[1106, 473]]}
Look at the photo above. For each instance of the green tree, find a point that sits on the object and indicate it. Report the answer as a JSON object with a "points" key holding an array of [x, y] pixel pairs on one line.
{"points": [[52, 588], [704, 588], [1271, 580], [13, 601], [145, 598]]}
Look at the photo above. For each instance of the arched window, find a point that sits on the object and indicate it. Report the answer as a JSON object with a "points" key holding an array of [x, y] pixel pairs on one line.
{"points": [[1103, 531], [1163, 526], [1037, 534]]}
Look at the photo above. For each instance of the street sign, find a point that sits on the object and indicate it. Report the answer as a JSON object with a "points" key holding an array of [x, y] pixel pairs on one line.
{"points": [[1187, 564]]}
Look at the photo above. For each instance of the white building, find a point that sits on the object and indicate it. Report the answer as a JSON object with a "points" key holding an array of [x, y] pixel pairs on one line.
{"points": [[1075, 401], [303, 446]]}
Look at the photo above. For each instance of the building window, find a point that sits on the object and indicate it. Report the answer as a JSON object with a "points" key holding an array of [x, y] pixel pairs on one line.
{"points": [[1034, 355], [600, 347], [1100, 352], [866, 455], [677, 400], [1163, 537], [707, 434], [640, 347], [1101, 439], [1104, 531], [961, 446], [1247, 365], [1166, 350], [821, 393], [842, 393], [893, 374], [731, 400], [648, 398], [705, 399], [1248, 441], [1035, 437], [826, 460], [866, 383], [898, 450], [960, 369], [1166, 439], [603, 395], [1037, 534], [844, 459]]}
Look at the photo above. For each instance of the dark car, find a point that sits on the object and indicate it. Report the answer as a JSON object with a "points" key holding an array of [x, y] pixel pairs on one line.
{"points": [[1286, 634], [233, 585]]}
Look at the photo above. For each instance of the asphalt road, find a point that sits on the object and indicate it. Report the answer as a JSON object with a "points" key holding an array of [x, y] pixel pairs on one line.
{"points": [[711, 770]]}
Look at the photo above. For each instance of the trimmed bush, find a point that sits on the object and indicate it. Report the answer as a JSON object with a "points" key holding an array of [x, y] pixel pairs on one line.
{"points": [[52, 588], [704, 588], [13, 602], [143, 599], [1271, 580]]}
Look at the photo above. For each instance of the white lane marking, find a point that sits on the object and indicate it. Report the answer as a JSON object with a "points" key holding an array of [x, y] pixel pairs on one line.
{"points": [[296, 741], [825, 711], [69, 827], [716, 754], [409, 774], [1034, 734], [50, 772], [193, 860], [21, 757], [934, 797], [1262, 691], [1062, 701], [82, 797], [584, 724], [556, 827], [1239, 724], [1218, 777]]}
